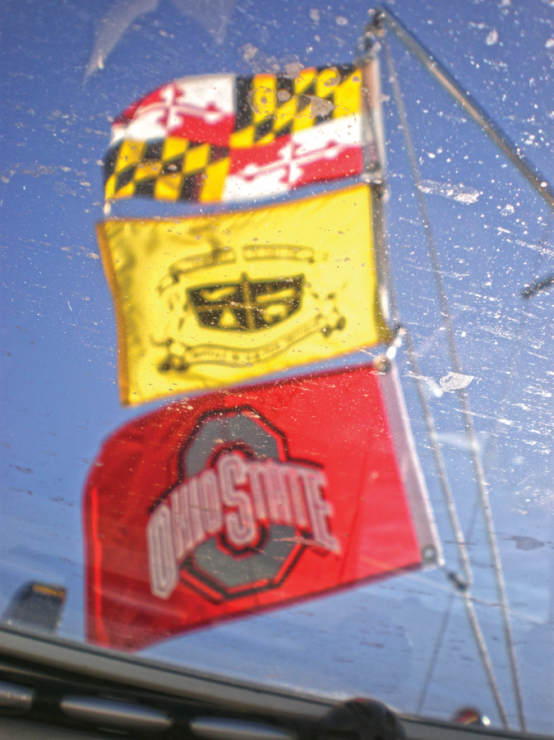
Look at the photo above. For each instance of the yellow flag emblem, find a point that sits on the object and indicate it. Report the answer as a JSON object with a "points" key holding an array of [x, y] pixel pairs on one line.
{"points": [[216, 300]]}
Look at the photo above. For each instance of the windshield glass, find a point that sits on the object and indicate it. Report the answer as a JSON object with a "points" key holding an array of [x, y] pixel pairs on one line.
{"points": [[276, 345]]}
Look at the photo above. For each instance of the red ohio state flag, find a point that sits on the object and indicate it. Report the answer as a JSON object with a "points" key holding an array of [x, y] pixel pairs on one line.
{"points": [[243, 499]]}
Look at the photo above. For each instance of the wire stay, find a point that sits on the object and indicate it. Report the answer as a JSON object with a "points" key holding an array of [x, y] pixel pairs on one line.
{"points": [[482, 488], [389, 301], [385, 17], [537, 287]]}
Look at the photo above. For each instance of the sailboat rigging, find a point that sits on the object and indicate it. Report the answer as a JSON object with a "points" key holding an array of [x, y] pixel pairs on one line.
{"points": [[385, 19], [287, 475]]}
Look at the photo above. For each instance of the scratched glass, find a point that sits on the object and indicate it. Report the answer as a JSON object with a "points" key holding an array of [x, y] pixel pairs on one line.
{"points": [[477, 358]]}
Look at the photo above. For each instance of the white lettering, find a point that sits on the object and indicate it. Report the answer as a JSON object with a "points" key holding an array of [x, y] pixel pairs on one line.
{"points": [[195, 512], [258, 486], [208, 491], [279, 506], [319, 510], [290, 482], [164, 573], [239, 524], [233, 500], [182, 534]]}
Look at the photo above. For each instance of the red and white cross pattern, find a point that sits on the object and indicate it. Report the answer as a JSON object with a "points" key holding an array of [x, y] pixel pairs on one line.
{"points": [[332, 149], [195, 108]]}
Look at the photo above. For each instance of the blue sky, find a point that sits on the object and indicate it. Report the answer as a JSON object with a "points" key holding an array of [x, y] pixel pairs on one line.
{"points": [[59, 391]]}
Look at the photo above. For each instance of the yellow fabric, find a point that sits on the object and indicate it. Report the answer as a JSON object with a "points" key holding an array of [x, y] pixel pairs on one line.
{"points": [[131, 153], [214, 180], [197, 159], [264, 99], [346, 96], [174, 147], [243, 139], [147, 170], [300, 111], [210, 301], [168, 187], [178, 159], [304, 79]]}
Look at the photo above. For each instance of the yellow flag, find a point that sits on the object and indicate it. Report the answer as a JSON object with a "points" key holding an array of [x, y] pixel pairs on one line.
{"points": [[210, 301]]}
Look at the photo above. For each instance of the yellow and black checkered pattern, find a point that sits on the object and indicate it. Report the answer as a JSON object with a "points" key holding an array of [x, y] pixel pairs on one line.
{"points": [[166, 169], [270, 106], [267, 107]]}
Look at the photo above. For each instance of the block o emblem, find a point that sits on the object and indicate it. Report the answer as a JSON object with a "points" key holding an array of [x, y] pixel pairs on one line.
{"points": [[214, 568]]}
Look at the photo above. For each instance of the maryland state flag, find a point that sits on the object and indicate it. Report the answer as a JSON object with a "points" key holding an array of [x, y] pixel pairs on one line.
{"points": [[224, 138], [244, 499], [215, 300]]}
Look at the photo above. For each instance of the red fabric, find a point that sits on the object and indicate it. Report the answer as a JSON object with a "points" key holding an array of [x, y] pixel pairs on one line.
{"points": [[164, 108], [333, 423], [298, 169]]}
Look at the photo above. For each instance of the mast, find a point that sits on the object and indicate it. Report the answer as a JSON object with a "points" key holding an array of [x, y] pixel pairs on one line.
{"points": [[385, 19]]}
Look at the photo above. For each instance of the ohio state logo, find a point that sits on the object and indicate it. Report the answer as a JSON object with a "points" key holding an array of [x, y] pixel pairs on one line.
{"points": [[242, 513]]}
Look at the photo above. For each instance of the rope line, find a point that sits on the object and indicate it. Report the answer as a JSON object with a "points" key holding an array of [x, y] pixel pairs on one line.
{"points": [[466, 412], [464, 588], [393, 306], [489, 456], [436, 652], [491, 445]]}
